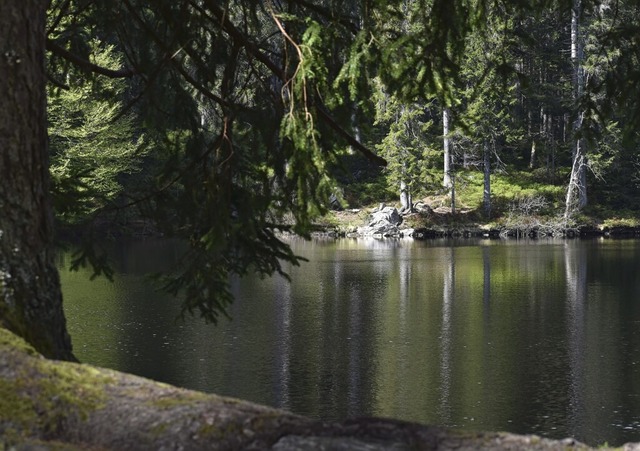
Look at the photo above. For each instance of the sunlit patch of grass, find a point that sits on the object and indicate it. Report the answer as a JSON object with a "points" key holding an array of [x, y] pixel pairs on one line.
{"points": [[505, 189], [621, 221]]}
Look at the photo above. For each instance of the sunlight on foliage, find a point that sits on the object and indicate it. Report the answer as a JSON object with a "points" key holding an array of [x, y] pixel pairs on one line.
{"points": [[92, 149]]}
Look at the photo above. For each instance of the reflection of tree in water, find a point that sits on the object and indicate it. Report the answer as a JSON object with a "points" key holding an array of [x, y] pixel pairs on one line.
{"points": [[334, 363], [486, 285], [373, 330], [448, 291], [282, 360], [575, 258], [601, 281]]}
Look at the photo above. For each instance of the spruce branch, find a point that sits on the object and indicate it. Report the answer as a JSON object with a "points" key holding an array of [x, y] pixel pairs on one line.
{"points": [[87, 65]]}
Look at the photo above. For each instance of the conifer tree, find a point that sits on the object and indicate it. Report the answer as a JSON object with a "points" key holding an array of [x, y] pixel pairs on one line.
{"points": [[248, 105]]}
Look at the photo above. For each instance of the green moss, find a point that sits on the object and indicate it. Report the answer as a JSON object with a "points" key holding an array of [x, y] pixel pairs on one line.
{"points": [[38, 395], [10, 340], [158, 429], [17, 411], [220, 431], [179, 400], [72, 386]]}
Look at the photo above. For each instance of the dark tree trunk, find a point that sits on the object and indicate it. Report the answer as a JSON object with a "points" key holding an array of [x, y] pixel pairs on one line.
{"points": [[30, 296]]}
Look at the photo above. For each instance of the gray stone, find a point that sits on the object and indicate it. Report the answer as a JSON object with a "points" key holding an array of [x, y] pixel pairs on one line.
{"points": [[383, 221]]}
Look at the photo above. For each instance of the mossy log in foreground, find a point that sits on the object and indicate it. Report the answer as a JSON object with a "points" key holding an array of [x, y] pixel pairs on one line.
{"points": [[47, 404]]}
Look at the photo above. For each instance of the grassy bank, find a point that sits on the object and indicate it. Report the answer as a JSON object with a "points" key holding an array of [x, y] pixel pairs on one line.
{"points": [[522, 203]]}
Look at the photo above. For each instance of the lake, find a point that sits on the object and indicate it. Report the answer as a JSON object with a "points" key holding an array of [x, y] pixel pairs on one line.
{"points": [[523, 336]]}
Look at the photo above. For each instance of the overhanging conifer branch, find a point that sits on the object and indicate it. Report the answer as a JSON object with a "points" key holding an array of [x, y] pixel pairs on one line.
{"points": [[87, 65], [344, 21], [326, 117], [56, 82], [225, 23], [174, 59]]}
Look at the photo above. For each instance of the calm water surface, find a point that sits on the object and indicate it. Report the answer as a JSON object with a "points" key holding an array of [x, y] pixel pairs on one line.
{"points": [[524, 336]]}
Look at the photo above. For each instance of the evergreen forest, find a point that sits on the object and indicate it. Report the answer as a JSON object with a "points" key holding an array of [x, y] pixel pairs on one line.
{"points": [[229, 128], [222, 123]]}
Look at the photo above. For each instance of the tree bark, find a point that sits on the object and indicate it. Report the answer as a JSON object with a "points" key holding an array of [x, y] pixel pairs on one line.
{"points": [[486, 199], [577, 189], [447, 181], [405, 197], [30, 296], [532, 155]]}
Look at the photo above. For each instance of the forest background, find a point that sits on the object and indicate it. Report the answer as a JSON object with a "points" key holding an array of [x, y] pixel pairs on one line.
{"points": [[512, 114], [527, 116], [221, 123]]}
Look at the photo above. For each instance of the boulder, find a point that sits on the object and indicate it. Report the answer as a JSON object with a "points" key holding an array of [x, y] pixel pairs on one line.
{"points": [[383, 221], [386, 215]]}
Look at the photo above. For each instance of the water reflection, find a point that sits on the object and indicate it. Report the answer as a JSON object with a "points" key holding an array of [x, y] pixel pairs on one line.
{"points": [[576, 280], [537, 337], [448, 288], [283, 339]]}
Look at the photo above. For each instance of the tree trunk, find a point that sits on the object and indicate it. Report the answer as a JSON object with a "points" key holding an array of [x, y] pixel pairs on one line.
{"points": [[487, 180], [448, 181], [532, 156], [356, 129], [30, 296], [577, 189], [405, 197]]}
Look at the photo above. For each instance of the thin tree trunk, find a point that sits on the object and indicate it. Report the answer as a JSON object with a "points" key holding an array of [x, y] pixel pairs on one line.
{"points": [[30, 295], [453, 195], [405, 191], [532, 157], [550, 144], [577, 189], [448, 181], [356, 129], [405, 197], [487, 180]]}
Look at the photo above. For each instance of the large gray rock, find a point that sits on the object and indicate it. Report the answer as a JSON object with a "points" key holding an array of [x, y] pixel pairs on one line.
{"points": [[386, 215], [383, 221]]}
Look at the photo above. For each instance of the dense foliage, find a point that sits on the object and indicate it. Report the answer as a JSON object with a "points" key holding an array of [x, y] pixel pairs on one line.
{"points": [[220, 122]]}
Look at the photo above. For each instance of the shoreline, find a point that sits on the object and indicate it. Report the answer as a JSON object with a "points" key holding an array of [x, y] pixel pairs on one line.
{"points": [[439, 223]]}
